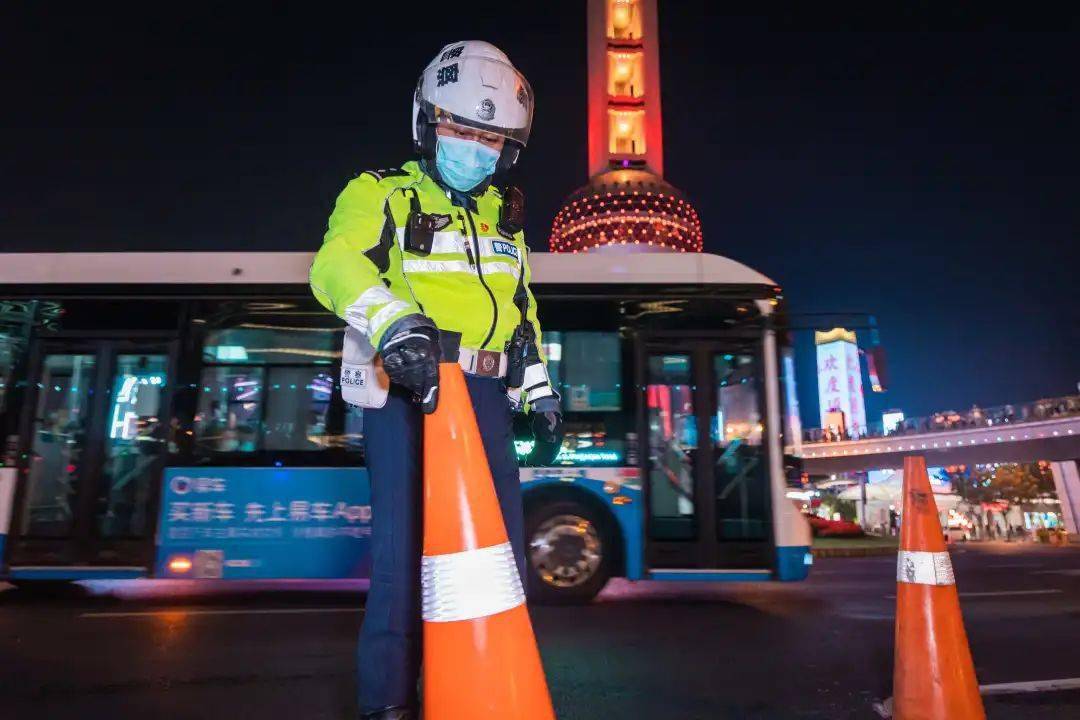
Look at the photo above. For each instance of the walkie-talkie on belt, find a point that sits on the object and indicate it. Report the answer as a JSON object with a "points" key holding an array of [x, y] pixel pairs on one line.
{"points": [[517, 352]]}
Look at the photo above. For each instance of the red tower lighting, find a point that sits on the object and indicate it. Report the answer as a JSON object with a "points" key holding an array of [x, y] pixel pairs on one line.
{"points": [[627, 205]]}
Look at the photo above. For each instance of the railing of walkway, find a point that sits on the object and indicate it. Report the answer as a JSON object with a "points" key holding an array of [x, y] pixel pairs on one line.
{"points": [[976, 417]]}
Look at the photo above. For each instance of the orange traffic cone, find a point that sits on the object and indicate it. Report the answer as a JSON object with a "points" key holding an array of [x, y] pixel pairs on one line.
{"points": [[933, 675], [480, 655]]}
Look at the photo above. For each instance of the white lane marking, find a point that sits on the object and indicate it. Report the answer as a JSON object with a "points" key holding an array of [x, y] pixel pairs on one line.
{"points": [[1005, 593], [1013, 565], [1000, 593], [264, 611], [1030, 686], [1067, 571], [884, 708]]}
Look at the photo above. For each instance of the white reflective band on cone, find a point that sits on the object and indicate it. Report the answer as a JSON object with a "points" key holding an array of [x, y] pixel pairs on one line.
{"points": [[471, 584], [924, 568]]}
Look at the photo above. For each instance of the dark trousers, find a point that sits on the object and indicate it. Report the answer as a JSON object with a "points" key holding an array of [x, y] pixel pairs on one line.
{"points": [[390, 638]]}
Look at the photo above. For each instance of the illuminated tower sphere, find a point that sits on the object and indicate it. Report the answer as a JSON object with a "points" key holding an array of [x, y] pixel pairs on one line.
{"points": [[627, 205]]}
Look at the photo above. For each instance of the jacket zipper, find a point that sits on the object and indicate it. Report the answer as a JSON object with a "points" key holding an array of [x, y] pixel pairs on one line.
{"points": [[480, 274]]}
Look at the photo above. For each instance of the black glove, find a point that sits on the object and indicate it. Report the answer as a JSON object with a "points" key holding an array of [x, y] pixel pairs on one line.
{"points": [[410, 354], [546, 420]]}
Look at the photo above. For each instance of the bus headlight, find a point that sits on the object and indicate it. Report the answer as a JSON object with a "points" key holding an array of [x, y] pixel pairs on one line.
{"points": [[180, 564]]}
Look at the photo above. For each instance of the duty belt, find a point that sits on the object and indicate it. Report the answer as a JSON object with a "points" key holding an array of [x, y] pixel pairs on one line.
{"points": [[482, 363], [485, 363]]}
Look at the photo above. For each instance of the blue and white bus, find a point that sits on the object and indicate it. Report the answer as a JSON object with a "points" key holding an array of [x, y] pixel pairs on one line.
{"points": [[176, 415]]}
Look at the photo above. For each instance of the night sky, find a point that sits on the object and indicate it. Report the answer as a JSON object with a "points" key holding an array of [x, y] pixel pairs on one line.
{"points": [[928, 178]]}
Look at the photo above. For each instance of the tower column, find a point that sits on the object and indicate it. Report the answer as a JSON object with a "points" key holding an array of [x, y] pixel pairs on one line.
{"points": [[627, 204]]}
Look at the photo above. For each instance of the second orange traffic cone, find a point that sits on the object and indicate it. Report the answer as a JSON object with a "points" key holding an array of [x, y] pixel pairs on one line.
{"points": [[933, 675], [480, 656]]}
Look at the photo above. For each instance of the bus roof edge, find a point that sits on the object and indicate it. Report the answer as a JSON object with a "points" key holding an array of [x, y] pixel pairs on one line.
{"points": [[217, 268]]}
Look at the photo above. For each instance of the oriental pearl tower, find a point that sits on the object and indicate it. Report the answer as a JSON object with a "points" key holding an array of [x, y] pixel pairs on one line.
{"points": [[627, 206]]}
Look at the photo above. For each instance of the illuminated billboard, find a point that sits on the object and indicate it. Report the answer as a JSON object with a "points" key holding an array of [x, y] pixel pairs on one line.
{"points": [[890, 420], [840, 381]]}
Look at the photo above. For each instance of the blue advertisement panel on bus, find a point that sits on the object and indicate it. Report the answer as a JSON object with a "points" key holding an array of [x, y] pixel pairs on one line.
{"points": [[256, 523]]}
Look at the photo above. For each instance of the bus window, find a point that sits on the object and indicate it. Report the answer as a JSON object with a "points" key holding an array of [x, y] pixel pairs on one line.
{"points": [[8, 350], [61, 424], [16, 319], [587, 369], [262, 343], [135, 439], [268, 386], [354, 429], [295, 417], [742, 491], [792, 421], [672, 428], [230, 409]]}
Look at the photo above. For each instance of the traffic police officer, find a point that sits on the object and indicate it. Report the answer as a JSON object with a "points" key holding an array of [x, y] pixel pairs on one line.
{"points": [[423, 262]]}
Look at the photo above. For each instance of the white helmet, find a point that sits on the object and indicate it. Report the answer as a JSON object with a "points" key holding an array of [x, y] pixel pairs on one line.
{"points": [[473, 83]]}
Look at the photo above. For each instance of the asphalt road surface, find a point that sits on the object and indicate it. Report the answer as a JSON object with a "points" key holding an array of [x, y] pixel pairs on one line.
{"points": [[820, 649]]}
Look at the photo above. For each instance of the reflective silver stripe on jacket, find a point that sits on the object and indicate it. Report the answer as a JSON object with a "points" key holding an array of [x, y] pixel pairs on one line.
{"points": [[363, 316], [461, 266], [448, 242]]}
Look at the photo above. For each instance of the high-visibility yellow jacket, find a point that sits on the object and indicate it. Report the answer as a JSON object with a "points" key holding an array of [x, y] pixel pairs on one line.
{"points": [[365, 275]]}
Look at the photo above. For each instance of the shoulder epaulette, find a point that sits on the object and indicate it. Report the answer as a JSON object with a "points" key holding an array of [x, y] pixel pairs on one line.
{"points": [[385, 173]]}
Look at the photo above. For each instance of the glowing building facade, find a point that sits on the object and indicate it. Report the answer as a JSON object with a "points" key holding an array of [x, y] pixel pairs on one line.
{"points": [[627, 204], [840, 390]]}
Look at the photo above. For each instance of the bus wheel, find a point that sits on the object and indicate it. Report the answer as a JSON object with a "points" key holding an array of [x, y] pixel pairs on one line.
{"points": [[570, 553]]}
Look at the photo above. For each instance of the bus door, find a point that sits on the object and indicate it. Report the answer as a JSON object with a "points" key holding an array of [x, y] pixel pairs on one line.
{"points": [[92, 447], [705, 465]]}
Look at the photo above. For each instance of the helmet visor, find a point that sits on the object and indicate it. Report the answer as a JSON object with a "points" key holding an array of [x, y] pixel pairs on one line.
{"points": [[480, 93]]}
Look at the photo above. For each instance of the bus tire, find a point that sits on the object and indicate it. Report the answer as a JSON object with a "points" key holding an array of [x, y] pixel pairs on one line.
{"points": [[570, 552]]}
